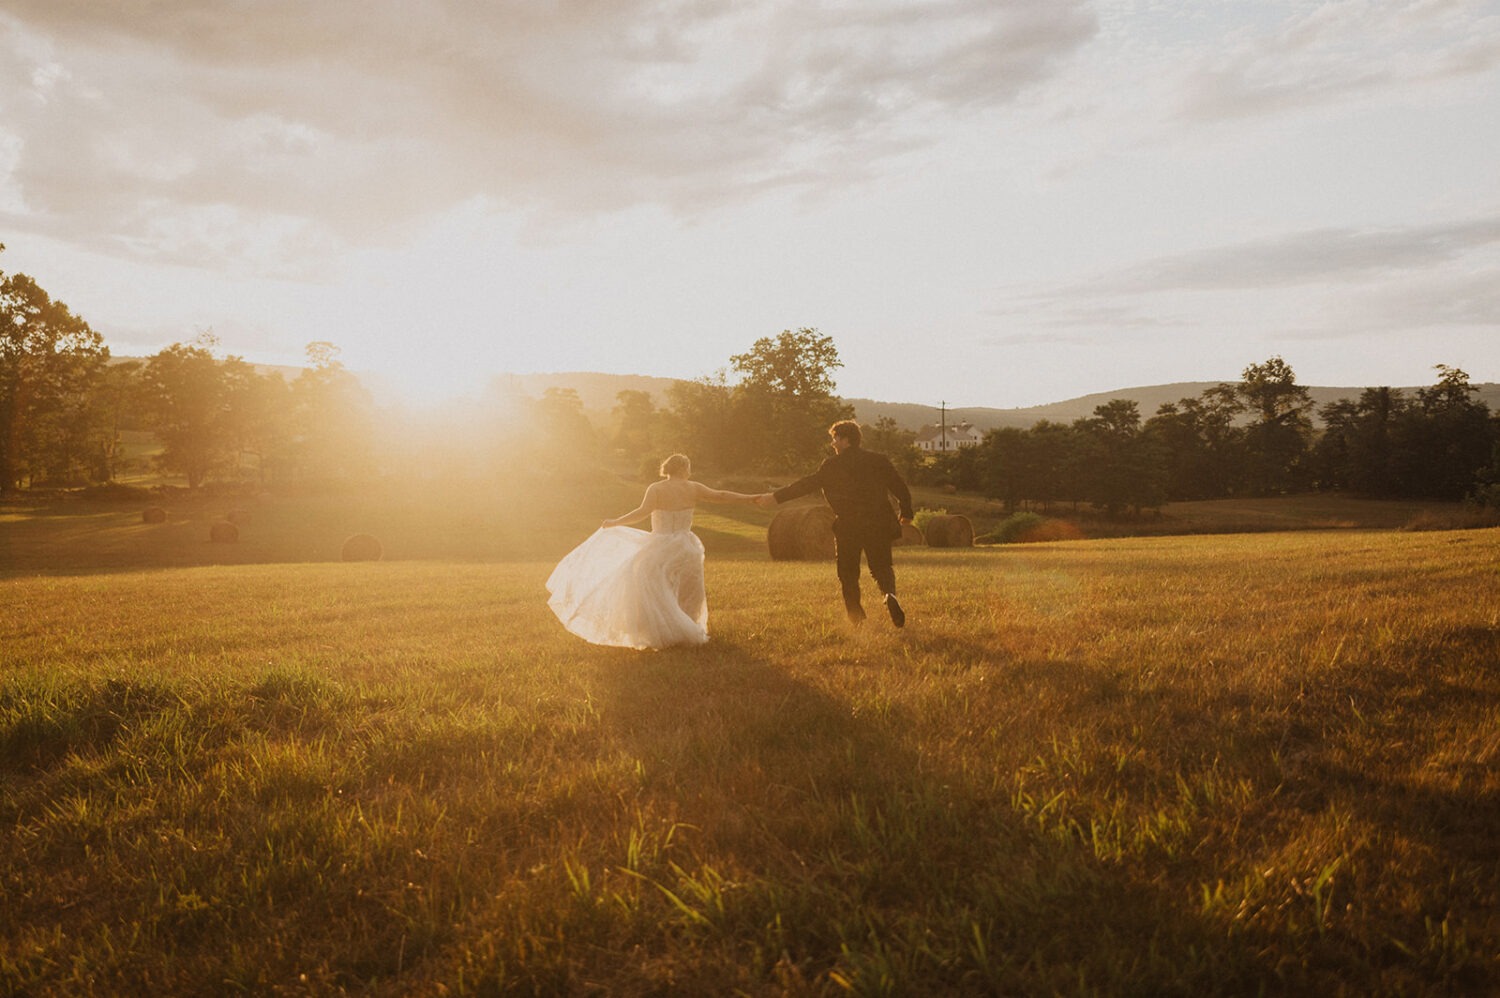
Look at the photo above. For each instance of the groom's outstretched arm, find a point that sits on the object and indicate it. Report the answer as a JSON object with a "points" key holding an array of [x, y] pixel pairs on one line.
{"points": [[802, 486]]}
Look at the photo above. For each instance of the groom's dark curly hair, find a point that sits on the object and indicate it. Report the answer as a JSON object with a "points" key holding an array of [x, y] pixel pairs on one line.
{"points": [[848, 429]]}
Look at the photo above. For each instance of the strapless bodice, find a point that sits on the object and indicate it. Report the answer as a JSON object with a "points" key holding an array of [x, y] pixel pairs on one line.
{"points": [[666, 521]]}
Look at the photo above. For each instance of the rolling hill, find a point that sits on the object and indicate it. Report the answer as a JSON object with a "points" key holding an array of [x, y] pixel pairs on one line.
{"points": [[597, 391]]}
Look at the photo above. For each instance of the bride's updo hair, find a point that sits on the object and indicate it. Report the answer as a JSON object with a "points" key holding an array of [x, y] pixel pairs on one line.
{"points": [[677, 464]]}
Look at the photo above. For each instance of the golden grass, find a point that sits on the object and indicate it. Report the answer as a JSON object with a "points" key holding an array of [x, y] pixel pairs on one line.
{"points": [[1207, 765]]}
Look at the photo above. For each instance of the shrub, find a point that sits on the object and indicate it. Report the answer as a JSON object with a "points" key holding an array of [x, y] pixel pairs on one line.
{"points": [[1011, 529], [223, 532], [1027, 528], [923, 517], [1469, 517]]}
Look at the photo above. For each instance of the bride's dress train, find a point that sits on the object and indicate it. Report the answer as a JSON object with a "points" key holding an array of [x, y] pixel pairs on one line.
{"points": [[633, 589]]}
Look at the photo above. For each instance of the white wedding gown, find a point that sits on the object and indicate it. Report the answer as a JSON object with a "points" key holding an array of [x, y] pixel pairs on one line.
{"points": [[633, 589]]}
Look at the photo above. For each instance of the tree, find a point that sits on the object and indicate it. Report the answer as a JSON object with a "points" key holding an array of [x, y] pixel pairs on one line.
{"points": [[1276, 439], [1333, 454], [1122, 466], [795, 365], [1445, 439], [50, 361], [1201, 444], [333, 420], [119, 401], [884, 436], [1357, 450], [564, 441], [700, 422], [785, 397], [635, 427], [191, 398]]}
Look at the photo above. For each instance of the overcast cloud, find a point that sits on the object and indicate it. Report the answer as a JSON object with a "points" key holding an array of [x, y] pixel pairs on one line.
{"points": [[196, 131], [1063, 195]]}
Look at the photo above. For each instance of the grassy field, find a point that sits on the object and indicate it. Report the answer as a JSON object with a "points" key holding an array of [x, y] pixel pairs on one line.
{"points": [[1181, 765]]}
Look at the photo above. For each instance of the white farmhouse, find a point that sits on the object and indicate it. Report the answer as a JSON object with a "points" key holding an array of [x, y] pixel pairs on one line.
{"points": [[936, 438]]}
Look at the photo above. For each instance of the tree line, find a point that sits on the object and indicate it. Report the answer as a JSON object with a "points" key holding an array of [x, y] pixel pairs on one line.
{"points": [[1255, 437], [65, 407]]}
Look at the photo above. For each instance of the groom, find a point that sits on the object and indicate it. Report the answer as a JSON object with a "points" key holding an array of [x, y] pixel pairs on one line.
{"points": [[858, 485]]}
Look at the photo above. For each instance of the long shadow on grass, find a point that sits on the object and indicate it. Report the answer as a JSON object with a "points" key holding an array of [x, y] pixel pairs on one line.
{"points": [[858, 856]]}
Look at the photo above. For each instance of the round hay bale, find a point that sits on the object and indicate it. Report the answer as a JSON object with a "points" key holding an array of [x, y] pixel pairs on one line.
{"points": [[910, 536], [223, 532], [153, 514], [950, 532], [237, 516], [362, 547], [801, 533]]}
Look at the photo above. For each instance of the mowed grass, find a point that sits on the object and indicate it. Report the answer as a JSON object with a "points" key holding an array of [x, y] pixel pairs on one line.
{"points": [[1208, 765]]}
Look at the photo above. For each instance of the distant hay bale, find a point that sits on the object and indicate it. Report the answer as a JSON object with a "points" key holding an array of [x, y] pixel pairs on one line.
{"points": [[801, 533], [223, 532], [237, 516], [910, 536], [950, 531], [362, 547], [153, 514]]}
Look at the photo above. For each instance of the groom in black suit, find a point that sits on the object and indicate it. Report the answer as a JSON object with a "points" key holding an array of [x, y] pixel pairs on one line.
{"points": [[858, 484]]}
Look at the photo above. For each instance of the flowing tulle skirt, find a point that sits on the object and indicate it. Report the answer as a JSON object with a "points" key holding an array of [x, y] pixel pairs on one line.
{"points": [[633, 589]]}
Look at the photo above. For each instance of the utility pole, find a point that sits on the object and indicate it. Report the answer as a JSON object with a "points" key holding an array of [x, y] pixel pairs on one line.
{"points": [[943, 417]]}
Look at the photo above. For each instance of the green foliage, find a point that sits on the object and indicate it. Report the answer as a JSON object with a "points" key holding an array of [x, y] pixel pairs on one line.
{"points": [[193, 401], [922, 516], [787, 392], [51, 366], [1106, 460], [1439, 445], [332, 422], [1279, 433], [1013, 528]]}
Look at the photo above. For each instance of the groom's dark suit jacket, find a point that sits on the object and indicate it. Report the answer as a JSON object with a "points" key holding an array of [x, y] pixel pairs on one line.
{"points": [[858, 485]]}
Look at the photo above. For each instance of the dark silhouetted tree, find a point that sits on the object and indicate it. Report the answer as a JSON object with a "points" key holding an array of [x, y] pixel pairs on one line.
{"points": [[1444, 439], [50, 366], [1276, 441], [1200, 443]]}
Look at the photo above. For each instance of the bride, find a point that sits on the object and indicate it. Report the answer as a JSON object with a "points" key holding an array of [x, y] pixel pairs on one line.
{"points": [[633, 589]]}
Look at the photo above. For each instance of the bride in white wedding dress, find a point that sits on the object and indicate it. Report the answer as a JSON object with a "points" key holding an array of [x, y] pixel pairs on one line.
{"points": [[634, 589]]}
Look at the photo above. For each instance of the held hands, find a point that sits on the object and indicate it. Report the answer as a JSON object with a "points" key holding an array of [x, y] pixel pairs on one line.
{"points": [[765, 500]]}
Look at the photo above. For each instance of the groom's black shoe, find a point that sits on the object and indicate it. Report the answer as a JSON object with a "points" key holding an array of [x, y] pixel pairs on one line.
{"points": [[898, 615]]}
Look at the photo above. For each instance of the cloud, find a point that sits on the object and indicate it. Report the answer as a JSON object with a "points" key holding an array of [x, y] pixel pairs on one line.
{"points": [[1339, 51], [174, 129], [1310, 257], [1314, 285]]}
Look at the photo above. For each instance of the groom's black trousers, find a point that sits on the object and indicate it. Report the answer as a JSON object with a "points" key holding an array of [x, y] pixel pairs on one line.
{"points": [[873, 542]]}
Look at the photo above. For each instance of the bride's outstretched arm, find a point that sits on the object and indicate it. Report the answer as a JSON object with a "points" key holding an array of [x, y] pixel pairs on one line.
{"points": [[722, 495], [648, 503]]}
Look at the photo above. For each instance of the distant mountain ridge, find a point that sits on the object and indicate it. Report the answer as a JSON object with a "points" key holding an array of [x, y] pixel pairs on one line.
{"points": [[597, 392]]}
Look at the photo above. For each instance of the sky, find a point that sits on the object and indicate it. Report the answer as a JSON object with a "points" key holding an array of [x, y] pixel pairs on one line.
{"points": [[982, 202]]}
